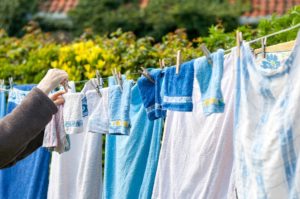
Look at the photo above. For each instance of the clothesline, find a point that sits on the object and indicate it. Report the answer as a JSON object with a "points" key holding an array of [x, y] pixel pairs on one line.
{"points": [[226, 51], [267, 36]]}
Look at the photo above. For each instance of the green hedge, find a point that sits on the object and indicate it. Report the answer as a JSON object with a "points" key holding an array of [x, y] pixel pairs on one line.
{"points": [[28, 58]]}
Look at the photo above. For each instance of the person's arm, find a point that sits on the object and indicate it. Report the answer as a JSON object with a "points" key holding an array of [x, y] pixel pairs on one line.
{"points": [[25, 123]]}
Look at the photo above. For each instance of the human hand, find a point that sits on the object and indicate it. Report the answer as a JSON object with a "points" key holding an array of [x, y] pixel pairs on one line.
{"points": [[57, 98], [52, 79]]}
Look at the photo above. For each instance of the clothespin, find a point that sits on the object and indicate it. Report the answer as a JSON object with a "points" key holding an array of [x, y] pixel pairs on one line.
{"points": [[161, 63], [118, 78], [66, 85], [206, 53], [264, 46], [2, 81], [145, 72], [178, 61], [11, 83], [239, 39], [99, 83]]}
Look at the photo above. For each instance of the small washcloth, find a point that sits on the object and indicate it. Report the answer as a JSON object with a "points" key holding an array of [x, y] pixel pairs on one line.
{"points": [[119, 107], [99, 119], [151, 94], [178, 88], [75, 109], [209, 78], [55, 138]]}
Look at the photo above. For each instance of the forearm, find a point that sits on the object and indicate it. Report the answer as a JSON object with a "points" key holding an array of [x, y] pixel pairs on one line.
{"points": [[23, 125]]}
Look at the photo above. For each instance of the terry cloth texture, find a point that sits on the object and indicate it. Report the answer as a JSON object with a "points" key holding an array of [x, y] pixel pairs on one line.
{"points": [[29, 177], [178, 88], [209, 78], [151, 94], [197, 151], [119, 108]]}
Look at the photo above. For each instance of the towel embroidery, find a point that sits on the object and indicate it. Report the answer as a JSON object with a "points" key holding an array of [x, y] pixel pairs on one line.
{"points": [[85, 111], [168, 99], [70, 124], [119, 123], [211, 101], [154, 107]]}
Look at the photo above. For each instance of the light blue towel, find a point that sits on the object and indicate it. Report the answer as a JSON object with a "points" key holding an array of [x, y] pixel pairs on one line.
{"points": [[119, 107], [2, 104], [151, 94], [29, 177], [178, 88], [131, 161], [209, 78]]}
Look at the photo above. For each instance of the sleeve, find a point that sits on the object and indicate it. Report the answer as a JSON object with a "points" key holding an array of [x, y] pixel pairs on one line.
{"points": [[20, 130]]}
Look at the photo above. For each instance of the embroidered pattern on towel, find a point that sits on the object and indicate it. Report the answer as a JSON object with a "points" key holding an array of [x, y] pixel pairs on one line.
{"points": [[177, 99]]}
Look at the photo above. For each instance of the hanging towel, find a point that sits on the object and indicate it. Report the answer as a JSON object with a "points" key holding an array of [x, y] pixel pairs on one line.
{"points": [[131, 161], [209, 78], [196, 156], [89, 178], [55, 138], [2, 104], [178, 88], [29, 177], [151, 94], [99, 119], [267, 124], [75, 109], [119, 107]]}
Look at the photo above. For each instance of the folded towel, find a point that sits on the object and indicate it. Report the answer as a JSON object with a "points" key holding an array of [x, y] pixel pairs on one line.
{"points": [[209, 79], [178, 88], [99, 119], [151, 94], [75, 109], [55, 138], [119, 106]]}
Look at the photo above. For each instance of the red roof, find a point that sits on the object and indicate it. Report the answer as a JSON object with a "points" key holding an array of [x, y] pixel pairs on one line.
{"points": [[261, 8], [58, 6]]}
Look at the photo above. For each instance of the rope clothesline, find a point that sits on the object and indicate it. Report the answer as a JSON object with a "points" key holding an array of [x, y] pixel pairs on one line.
{"points": [[226, 51]]}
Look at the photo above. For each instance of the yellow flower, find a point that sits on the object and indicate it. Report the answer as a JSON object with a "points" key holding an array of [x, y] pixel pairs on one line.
{"points": [[54, 64]]}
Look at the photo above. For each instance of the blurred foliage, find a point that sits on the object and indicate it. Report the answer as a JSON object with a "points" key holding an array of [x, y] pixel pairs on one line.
{"points": [[158, 18], [28, 58]]}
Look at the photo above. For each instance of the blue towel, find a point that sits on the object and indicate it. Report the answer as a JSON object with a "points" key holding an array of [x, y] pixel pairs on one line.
{"points": [[131, 161], [119, 106], [2, 104], [178, 88], [29, 177], [151, 94], [209, 79]]}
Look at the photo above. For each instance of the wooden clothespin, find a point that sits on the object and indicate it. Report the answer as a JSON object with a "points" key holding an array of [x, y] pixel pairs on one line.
{"points": [[99, 83], [118, 78], [161, 63], [178, 61], [2, 82], [146, 74], [264, 46], [11, 83], [207, 54], [239, 40]]}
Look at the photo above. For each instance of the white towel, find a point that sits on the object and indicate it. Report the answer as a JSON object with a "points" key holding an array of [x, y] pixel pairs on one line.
{"points": [[99, 119], [89, 179], [75, 109]]}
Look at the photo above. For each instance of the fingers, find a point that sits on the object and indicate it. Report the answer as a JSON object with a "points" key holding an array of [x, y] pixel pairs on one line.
{"points": [[57, 95], [59, 101]]}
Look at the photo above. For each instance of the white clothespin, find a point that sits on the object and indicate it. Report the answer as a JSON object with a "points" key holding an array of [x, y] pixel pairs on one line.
{"points": [[118, 78], [66, 85], [2, 82], [11, 83], [145, 73], [239, 40], [207, 54], [178, 61]]}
